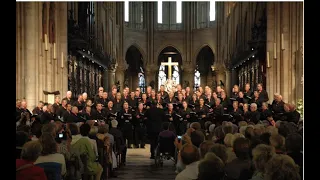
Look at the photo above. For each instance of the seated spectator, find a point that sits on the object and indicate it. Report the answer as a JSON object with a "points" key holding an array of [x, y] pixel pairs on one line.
{"points": [[261, 155], [259, 129], [272, 130], [211, 132], [21, 139], [105, 130], [242, 162], [84, 146], [287, 128], [265, 138], [49, 152], [197, 137], [242, 129], [119, 140], [25, 169], [228, 142], [281, 167], [190, 158], [49, 128], [36, 131], [211, 167], [205, 147], [197, 126], [277, 141], [93, 132], [220, 151], [242, 123], [294, 144]]}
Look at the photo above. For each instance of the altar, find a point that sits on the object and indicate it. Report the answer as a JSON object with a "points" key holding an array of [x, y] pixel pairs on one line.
{"points": [[170, 84]]}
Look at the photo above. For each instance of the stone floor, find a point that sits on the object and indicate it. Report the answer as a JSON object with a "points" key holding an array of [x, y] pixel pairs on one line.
{"points": [[139, 166]]}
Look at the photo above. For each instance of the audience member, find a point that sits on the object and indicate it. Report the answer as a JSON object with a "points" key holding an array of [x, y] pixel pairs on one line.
{"points": [[25, 169]]}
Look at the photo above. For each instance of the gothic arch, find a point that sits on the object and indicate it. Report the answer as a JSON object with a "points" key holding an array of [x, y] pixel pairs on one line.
{"points": [[169, 45], [140, 50], [198, 51]]}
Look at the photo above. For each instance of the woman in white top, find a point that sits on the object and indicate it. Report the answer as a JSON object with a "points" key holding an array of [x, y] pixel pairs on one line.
{"points": [[49, 152]]}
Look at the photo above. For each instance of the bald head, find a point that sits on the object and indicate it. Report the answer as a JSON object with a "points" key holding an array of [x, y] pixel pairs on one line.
{"points": [[69, 94]]}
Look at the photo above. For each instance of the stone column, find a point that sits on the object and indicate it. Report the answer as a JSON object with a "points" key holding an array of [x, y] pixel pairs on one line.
{"points": [[228, 84], [105, 79], [29, 54], [209, 79], [203, 80], [119, 76], [188, 76], [150, 75], [234, 77], [111, 77], [220, 75]]}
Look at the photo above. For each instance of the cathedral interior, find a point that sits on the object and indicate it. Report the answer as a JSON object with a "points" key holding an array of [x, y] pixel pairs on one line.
{"points": [[80, 46]]}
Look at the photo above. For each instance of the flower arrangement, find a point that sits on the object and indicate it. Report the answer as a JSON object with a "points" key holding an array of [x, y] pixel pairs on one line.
{"points": [[300, 107]]}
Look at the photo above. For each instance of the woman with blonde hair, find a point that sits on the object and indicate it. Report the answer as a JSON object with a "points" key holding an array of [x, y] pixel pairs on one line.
{"points": [[261, 156], [228, 142]]}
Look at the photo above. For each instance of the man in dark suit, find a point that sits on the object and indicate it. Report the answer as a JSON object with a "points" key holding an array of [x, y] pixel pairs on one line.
{"points": [[154, 115]]}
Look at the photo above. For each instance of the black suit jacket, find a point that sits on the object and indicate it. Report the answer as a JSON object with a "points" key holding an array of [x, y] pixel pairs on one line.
{"points": [[155, 117]]}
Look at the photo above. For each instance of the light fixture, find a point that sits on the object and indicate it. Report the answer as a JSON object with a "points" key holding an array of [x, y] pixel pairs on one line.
{"points": [[83, 50], [83, 56], [253, 56], [252, 49], [88, 52]]}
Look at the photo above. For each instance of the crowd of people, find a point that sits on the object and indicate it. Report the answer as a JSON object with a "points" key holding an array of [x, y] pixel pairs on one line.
{"points": [[236, 136]]}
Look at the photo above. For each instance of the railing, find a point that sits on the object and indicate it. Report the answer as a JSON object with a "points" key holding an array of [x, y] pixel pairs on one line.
{"points": [[170, 26]]}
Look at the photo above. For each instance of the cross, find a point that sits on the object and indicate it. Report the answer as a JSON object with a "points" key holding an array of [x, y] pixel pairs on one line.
{"points": [[169, 64]]}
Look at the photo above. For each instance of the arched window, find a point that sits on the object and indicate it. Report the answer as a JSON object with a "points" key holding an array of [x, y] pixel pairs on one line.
{"points": [[196, 79], [169, 15], [206, 14], [142, 82], [133, 16], [176, 75], [162, 77]]}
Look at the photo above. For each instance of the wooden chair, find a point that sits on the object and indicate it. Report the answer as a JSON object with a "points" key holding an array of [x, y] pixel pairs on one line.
{"points": [[87, 175], [52, 170]]}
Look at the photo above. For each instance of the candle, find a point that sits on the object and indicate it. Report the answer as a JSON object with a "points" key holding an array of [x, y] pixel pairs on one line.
{"points": [[62, 60], [282, 41], [275, 50], [54, 51], [268, 59], [46, 42]]}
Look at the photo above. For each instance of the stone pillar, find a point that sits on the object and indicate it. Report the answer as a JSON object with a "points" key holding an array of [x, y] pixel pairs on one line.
{"points": [[119, 76], [234, 77], [150, 75], [228, 84], [203, 80], [29, 54], [188, 76], [105, 79], [220, 75], [209, 79], [111, 77]]}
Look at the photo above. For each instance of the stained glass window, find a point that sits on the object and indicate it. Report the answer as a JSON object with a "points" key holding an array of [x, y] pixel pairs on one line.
{"points": [[196, 79], [142, 82], [176, 75], [162, 77]]}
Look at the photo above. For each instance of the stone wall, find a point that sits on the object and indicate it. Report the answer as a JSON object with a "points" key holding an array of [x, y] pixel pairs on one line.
{"points": [[36, 67]]}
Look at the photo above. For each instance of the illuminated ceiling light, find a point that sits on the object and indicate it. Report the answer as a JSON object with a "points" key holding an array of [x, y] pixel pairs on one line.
{"points": [[253, 56], [83, 56]]}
